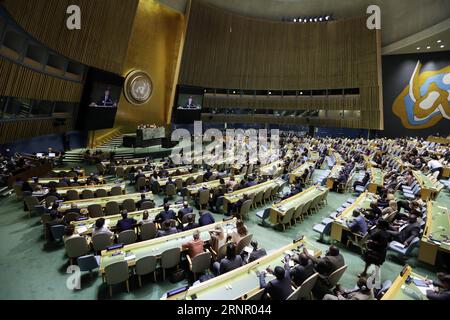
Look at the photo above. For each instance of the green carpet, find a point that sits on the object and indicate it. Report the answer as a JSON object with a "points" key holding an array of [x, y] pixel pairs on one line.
{"points": [[32, 270]]}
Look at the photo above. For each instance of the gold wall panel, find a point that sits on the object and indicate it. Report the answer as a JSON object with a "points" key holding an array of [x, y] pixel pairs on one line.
{"points": [[102, 40], [154, 48]]}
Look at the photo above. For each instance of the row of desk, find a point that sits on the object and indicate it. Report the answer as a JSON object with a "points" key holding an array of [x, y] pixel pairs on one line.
{"points": [[243, 283], [428, 188]]}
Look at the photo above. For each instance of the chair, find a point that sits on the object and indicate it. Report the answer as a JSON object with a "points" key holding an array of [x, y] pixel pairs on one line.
{"points": [[199, 263], [147, 231], [179, 184], [116, 191], [30, 203], [76, 247], [244, 242], [323, 230], [72, 195], [334, 278], [144, 266], [88, 262], [112, 207], [186, 217], [141, 183], [189, 181], [95, 211], [18, 190], [203, 198], [258, 198], [129, 205], [169, 259], [120, 172], [307, 286], [267, 195], [147, 205], [306, 208], [100, 193], [70, 216], [298, 213], [87, 194], [404, 253], [245, 209], [263, 215], [101, 241], [115, 273], [286, 218], [127, 237], [58, 231], [49, 200], [199, 179], [220, 254], [171, 190]]}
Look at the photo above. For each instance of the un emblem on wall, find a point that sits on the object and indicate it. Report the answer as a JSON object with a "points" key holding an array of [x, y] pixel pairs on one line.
{"points": [[138, 87]]}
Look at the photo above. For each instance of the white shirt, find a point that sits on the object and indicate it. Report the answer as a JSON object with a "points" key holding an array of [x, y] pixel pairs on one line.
{"points": [[433, 164]]}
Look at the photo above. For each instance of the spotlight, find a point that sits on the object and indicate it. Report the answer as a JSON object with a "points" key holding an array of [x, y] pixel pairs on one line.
{"points": [[442, 46], [234, 91], [327, 18], [301, 92], [300, 20], [320, 19], [439, 41], [295, 20], [315, 19], [428, 47], [270, 92], [310, 20], [418, 48]]}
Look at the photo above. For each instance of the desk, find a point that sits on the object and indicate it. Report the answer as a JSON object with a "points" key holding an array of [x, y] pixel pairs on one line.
{"points": [[437, 228], [266, 170], [170, 171], [154, 247], [233, 197], [427, 187], [108, 186], [277, 211], [80, 172], [210, 185], [446, 171], [243, 280], [47, 180], [333, 175], [340, 223], [298, 172], [84, 203], [85, 227], [163, 181], [376, 179], [399, 289]]}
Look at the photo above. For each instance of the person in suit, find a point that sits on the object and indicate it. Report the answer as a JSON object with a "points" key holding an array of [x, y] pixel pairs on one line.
{"points": [[166, 229], [74, 208], [303, 270], [325, 266], [280, 288], [143, 199], [230, 262], [101, 228], [205, 218], [257, 252], [53, 192], [358, 225], [191, 224], [106, 99], [195, 246], [406, 233], [207, 174], [185, 210], [373, 213], [442, 287], [125, 223], [166, 214], [145, 218], [362, 292], [377, 245]]}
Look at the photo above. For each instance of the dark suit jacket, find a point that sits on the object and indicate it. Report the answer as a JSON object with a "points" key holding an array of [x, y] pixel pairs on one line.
{"points": [[300, 273], [256, 254], [206, 219], [409, 232], [166, 215], [125, 224], [228, 265], [278, 289], [190, 226]]}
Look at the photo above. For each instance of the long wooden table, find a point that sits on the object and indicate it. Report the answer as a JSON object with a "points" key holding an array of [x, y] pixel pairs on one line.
{"points": [[340, 223], [428, 189], [400, 290], [333, 175], [68, 170], [170, 171], [154, 247], [436, 236], [184, 177], [277, 211], [85, 227], [235, 196], [265, 170], [193, 189], [84, 203], [107, 186], [376, 179], [243, 281], [47, 180], [298, 172]]}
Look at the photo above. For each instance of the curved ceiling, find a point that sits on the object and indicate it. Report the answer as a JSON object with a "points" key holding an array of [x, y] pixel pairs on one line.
{"points": [[399, 18]]}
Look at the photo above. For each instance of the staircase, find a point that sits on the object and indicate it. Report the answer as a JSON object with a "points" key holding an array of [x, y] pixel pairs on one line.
{"points": [[115, 142]]}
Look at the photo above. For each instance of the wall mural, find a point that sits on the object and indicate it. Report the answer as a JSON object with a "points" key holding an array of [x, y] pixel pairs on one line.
{"points": [[426, 100]]}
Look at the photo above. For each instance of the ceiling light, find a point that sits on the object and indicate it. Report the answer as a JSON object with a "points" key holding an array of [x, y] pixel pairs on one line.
{"points": [[439, 41], [315, 19], [327, 18], [295, 20], [428, 47], [442, 46], [320, 19], [300, 20], [418, 48], [310, 20], [301, 92], [270, 92]]}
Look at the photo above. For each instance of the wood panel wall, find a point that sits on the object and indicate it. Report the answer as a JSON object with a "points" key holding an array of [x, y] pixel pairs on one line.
{"points": [[226, 50], [101, 42], [19, 81], [21, 129]]}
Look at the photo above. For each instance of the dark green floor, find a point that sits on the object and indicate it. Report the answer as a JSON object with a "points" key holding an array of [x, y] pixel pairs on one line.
{"points": [[31, 270]]}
